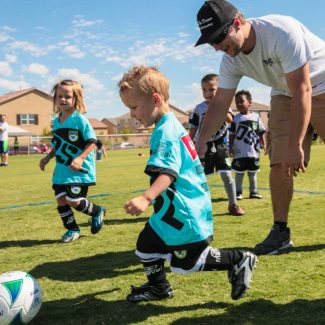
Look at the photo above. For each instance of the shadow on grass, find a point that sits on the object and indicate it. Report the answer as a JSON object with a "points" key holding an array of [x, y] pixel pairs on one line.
{"points": [[25, 243], [308, 249], [109, 221], [261, 312], [218, 200], [100, 266], [90, 309], [292, 250]]}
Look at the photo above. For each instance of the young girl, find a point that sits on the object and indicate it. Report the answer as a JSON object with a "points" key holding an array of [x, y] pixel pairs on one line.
{"points": [[73, 146]]}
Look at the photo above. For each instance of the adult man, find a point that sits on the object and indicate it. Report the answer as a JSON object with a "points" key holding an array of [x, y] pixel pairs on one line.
{"points": [[4, 140], [282, 53]]}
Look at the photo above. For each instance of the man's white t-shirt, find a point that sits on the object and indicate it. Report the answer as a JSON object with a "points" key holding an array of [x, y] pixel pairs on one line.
{"points": [[283, 45], [4, 133]]}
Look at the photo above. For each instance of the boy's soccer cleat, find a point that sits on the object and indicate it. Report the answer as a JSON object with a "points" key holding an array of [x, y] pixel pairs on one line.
{"points": [[241, 275], [255, 195], [97, 221], [235, 210], [239, 196], [70, 236], [149, 292], [275, 242]]}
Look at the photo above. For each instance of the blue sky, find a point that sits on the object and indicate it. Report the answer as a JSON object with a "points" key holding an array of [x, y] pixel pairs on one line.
{"points": [[96, 41]]}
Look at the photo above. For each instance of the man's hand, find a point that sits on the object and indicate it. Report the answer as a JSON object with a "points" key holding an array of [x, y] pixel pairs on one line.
{"points": [[295, 160]]}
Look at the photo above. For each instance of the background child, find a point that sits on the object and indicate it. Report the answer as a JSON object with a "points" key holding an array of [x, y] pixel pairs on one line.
{"points": [[181, 226], [245, 138], [217, 157], [4, 144], [16, 146], [100, 150], [73, 145]]}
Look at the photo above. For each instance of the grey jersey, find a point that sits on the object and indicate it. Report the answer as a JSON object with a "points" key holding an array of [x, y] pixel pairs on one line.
{"points": [[196, 120]]}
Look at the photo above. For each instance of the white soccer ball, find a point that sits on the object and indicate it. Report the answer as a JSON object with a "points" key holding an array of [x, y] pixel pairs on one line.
{"points": [[20, 298]]}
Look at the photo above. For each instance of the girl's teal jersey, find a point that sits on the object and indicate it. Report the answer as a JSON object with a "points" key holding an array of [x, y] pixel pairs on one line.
{"points": [[183, 213], [69, 140]]}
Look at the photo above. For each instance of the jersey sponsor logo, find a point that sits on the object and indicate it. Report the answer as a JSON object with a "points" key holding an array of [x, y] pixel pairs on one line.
{"points": [[186, 139], [73, 136], [180, 254], [75, 189]]}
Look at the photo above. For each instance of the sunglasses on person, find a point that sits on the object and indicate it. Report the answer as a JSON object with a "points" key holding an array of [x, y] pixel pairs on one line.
{"points": [[222, 35]]}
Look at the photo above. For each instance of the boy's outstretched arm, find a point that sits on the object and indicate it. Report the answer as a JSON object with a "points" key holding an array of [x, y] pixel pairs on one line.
{"points": [[138, 204]]}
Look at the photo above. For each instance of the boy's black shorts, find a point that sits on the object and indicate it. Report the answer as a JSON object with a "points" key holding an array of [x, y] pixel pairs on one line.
{"points": [[217, 157], [250, 164], [73, 192], [184, 257]]}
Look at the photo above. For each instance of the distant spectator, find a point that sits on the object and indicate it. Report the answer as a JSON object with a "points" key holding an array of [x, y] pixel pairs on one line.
{"points": [[16, 146], [4, 141], [100, 150]]}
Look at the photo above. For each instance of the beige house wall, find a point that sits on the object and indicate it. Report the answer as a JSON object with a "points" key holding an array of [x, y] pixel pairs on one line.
{"points": [[31, 103]]}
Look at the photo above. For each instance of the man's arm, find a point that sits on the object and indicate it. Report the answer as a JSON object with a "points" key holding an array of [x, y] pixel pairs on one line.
{"points": [[300, 87], [214, 117], [192, 133]]}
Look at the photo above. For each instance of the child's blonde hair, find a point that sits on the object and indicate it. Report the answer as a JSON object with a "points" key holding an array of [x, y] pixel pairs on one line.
{"points": [[77, 94], [147, 80]]}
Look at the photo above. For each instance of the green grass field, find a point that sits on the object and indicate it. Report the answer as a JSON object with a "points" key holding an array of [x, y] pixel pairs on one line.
{"points": [[85, 282]]}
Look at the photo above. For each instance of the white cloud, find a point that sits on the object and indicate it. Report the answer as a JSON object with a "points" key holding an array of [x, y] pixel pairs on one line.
{"points": [[89, 83], [14, 85], [11, 58], [8, 29], [5, 69], [4, 37], [81, 22], [117, 77], [29, 48], [39, 69], [74, 51]]}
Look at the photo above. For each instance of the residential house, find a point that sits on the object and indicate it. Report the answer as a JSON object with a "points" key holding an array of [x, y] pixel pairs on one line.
{"points": [[127, 124], [30, 109], [99, 127], [111, 125]]}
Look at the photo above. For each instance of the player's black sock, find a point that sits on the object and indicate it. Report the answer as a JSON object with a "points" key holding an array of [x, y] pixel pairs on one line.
{"points": [[86, 207], [155, 271], [283, 225], [221, 259], [67, 217]]}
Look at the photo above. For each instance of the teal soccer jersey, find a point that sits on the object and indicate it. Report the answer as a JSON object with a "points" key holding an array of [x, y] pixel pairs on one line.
{"points": [[183, 213], [69, 140]]}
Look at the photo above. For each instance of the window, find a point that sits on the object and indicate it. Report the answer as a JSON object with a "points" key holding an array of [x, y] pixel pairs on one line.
{"points": [[27, 119]]}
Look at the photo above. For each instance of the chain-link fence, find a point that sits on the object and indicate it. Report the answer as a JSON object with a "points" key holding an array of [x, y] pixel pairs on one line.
{"points": [[39, 144]]}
